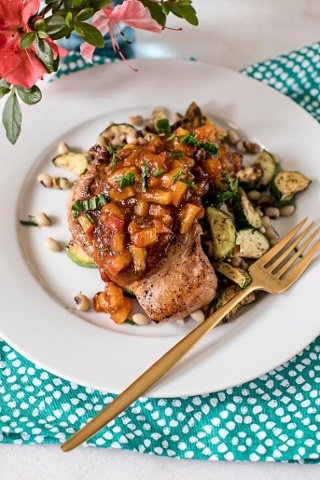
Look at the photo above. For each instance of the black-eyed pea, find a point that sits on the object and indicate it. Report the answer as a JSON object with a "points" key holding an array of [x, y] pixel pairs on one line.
{"points": [[272, 212], [45, 179], [233, 137], [140, 319], [43, 220], [287, 210], [197, 316], [136, 120], [82, 302]]}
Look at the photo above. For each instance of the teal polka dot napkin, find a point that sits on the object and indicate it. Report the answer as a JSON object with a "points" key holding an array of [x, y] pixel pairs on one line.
{"points": [[275, 417]]}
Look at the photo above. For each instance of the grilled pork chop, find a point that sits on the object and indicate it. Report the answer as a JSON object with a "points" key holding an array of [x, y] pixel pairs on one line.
{"points": [[184, 281]]}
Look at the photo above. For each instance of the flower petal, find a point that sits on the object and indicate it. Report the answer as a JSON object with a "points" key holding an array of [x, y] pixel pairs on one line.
{"points": [[30, 8], [100, 20], [135, 14], [23, 69]]}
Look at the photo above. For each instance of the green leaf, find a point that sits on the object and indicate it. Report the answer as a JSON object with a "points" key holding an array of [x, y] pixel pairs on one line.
{"points": [[155, 10], [40, 24], [31, 96], [11, 118], [55, 24], [85, 14], [44, 53], [27, 40], [157, 172], [163, 126], [90, 33], [68, 20], [42, 34], [125, 180], [4, 83], [186, 12], [98, 4], [4, 91]]}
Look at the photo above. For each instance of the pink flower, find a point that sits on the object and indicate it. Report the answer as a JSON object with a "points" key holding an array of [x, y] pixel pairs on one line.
{"points": [[17, 66], [130, 12]]}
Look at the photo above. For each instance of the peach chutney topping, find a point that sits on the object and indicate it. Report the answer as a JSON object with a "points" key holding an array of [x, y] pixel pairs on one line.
{"points": [[152, 193]]}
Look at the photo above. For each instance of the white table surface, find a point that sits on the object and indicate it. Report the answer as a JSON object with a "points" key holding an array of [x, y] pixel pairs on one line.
{"points": [[233, 33]]}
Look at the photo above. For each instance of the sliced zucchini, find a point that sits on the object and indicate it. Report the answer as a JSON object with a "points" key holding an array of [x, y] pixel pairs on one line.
{"points": [[252, 243], [286, 184], [79, 256], [72, 161], [223, 232], [117, 134], [237, 275], [128, 291], [269, 167], [246, 216], [250, 177], [228, 294]]}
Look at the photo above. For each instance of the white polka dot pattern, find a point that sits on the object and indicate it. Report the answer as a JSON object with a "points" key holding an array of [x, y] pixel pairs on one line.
{"points": [[273, 418]]}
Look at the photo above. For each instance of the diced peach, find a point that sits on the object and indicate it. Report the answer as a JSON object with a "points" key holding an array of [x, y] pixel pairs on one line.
{"points": [[113, 178], [115, 294], [142, 208], [100, 302], [118, 262], [212, 167], [113, 301], [157, 195], [161, 212], [139, 256], [113, 208], [154, 181], [177, 164], [117, 242], [86, 225], [187, 216], [178, 191], [209, 133], [161, 227], [144, 238], [121, 314], [170, 177], [118, 196], [111, 222], [133, 227]]}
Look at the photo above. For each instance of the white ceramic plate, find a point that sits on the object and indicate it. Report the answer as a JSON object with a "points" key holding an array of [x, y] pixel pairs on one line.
{"points": [[38, 286]]}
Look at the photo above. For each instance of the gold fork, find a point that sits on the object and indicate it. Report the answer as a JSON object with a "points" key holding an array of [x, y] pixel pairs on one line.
{"points": [[274, 272]]}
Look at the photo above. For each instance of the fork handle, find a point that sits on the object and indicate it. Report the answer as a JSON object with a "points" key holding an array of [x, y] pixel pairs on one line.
{"points": [[139, 386]]}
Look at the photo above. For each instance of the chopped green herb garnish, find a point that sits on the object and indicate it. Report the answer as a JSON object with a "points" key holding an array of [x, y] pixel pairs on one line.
{"points": [[191, 139], [157, 172], [176, 154], [163, 126], [89, 217], [210, 147], [93, 203], [114, 158], [177, 176], [130, 322], [126, 180], [30, 222], [181, 176], [144, 177], [171, 137], [188, 182], [222, 197]]}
